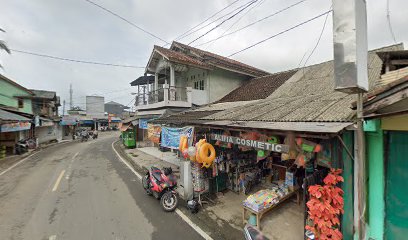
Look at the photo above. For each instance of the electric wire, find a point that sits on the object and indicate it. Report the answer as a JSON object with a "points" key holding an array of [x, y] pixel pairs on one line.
{"points": [[318, 40], [224, 21], [253, 23], [74, 60], [280, 33], [127, 21], [182, 35], [221, 17], [240, 18], [389, 22]]}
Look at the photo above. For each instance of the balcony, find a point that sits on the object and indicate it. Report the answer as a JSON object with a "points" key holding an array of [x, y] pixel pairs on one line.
{"points": [[164, 97]]}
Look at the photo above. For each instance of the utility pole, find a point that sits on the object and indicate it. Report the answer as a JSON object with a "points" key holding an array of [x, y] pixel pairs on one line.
{"points": [[71, 92], [63, 107], [351, 76]]}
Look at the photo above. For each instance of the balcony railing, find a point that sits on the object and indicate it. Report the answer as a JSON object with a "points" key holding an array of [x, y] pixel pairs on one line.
{"points": [[162, 94]]}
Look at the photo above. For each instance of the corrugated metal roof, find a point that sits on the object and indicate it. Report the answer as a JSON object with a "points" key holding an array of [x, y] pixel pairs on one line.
{"points": [[8, 116], [308, 96], [44, 94], [315, 127]]}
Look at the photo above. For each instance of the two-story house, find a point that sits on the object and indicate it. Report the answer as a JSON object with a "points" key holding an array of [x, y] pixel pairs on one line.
{"points": [[182, 76], [45, 108], [16, 114]]}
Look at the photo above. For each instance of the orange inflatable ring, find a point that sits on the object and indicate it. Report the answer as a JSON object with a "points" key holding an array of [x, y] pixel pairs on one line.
{"points": [[206, 159], [183, 143], [198, 146]]}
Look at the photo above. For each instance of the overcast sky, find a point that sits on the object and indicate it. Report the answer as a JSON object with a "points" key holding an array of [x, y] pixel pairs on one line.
{"points": [[78, 30]]}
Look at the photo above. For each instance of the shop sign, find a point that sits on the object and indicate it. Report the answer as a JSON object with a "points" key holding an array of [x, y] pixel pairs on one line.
{"points": [[281, 148], [153, 133], [14, 127], [171, 136], [143, 123], [68, 121]]}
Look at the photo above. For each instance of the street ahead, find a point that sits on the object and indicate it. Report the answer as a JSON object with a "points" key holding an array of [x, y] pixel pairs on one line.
{"points": [[82, 191]]}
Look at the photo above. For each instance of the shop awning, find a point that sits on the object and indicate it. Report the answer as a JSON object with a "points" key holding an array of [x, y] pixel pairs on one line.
{"points": [[315, 127], [8, 116], [124, 127]]}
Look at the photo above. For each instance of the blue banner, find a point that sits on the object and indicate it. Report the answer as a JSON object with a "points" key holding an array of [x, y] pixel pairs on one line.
{"points": [[143, 123], [170, 137]]}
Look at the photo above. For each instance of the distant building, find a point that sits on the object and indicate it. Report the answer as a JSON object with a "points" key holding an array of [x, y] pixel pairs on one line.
{"points": [[95, 107], [115, 108]]}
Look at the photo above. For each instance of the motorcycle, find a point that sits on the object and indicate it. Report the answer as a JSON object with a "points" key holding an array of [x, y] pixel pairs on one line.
{"points": [[21, 146], [162, 185], [84, 138], [251, 233]]}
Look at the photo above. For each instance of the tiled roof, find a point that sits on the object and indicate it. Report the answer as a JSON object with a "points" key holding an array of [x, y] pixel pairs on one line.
{"points": [[220, 61], [258, 88], [307, 96], [180, 57]]}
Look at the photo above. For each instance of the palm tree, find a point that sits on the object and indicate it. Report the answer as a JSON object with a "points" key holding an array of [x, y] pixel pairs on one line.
{"points": [[3, 46]]}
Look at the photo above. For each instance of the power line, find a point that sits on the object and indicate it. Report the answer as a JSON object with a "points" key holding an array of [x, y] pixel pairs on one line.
{"points": [[389, 22], [225, 20], [243, 15], [182, 35], [253, 23], [280, 33], [221, 17], [127, 21], [74, 60], [318, 40]]}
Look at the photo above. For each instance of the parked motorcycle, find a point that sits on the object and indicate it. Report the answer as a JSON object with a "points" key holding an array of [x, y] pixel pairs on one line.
{"points": [[21, 146], [162, 185], [251, 233], [84, 138]]}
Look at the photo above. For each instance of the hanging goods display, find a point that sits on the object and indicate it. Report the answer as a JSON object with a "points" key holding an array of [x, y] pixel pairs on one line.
{"points": [[191, 151], [206, 154], [198, 145], [183, 143]]}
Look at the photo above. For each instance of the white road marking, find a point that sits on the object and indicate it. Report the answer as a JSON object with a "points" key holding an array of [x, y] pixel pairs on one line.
{"points": [[58, 181], [53, 237], [18, 163], [178, 212], [126, 163], [69, 171]]}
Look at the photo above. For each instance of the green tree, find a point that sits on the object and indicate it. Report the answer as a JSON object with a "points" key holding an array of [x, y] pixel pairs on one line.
{"points": [[3, 46]]}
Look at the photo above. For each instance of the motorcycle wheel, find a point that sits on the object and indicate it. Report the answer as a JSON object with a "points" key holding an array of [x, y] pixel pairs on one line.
{"points": [[146, 185], [169, 201]]}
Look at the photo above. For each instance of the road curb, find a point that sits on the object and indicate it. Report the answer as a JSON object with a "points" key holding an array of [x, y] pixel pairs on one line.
{"points": [[136, 169]]}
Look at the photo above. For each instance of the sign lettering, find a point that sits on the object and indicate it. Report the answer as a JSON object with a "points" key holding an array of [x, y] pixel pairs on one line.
{"points": [[281, 148]]}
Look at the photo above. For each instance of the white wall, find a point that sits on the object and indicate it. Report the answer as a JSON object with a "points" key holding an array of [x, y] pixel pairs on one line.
{"points": [[95, 106], [46, 134], [222, 82]]}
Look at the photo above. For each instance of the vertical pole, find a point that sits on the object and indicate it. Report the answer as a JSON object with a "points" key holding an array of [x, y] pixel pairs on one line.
{"points": [[360, 184], [63, 108], [71, 104]]}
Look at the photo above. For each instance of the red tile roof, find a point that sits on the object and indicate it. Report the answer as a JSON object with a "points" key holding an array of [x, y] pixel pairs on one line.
{"points": [[258, 88], [220, 61], [180, 57]]}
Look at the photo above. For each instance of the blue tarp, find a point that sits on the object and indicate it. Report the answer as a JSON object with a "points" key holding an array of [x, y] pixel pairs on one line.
{"points": [[143, 123], [170, 137]]}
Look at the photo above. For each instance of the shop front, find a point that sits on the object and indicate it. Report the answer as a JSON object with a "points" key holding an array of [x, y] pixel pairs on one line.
{"points": [[10, 133], [265, 170]]}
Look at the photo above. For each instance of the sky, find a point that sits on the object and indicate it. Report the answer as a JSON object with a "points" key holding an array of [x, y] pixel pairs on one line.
{"points": [[76, 29]]}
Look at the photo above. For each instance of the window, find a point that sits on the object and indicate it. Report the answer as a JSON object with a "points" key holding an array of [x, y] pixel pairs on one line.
{"points": [[199, 85], [20, 103]]}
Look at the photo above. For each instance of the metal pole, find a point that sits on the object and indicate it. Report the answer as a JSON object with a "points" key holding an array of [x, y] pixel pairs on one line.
{"points": [[361, 183]]}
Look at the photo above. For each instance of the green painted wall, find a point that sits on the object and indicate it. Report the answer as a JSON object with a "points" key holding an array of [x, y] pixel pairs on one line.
{"points": [[7, 93], [348, 216], [375, 165]]}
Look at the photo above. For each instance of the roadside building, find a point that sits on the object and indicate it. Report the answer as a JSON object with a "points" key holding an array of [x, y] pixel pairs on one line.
{"points": [[303, 112], [16, 114], [115, 109], [46, 118], [182, 77], [386, 129]]}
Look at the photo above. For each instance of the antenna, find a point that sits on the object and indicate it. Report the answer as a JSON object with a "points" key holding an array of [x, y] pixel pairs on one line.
{"points": [[71, 104]]}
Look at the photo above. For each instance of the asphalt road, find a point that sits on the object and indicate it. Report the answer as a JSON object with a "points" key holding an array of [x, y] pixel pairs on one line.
{"points": [[82, 191]]}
